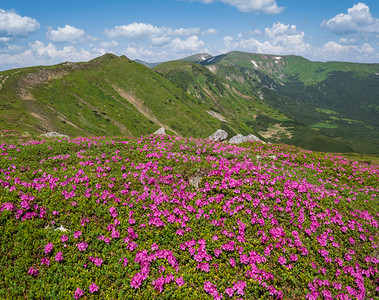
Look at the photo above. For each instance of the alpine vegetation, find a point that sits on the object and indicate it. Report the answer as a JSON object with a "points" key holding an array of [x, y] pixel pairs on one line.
{"points": [[109, 218]]}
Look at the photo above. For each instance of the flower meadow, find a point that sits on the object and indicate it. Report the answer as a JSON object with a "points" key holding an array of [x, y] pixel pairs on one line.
{"points": [[118, 218]]}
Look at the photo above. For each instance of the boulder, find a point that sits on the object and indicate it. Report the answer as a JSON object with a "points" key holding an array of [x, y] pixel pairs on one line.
{"points": [[219, 136], [160, 131], [195, 179], [54, 134], [237, 139], [252, 138]]}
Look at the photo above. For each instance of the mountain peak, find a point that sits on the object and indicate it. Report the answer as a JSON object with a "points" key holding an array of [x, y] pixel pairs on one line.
{"points": [[106, 57], [197, 58]]}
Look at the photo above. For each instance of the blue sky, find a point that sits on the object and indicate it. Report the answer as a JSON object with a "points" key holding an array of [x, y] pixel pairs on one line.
{"points": [[39, 32]]}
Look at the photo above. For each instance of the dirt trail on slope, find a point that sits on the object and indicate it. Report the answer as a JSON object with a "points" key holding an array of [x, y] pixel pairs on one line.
{"points": [[142, 108], [5, 79]]}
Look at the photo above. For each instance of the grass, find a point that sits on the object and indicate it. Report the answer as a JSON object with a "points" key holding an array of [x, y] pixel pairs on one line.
{"points": [[324, 125]]}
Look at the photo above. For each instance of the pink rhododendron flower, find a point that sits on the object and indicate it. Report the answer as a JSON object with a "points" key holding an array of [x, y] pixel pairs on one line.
{"points": [[48, 248], [33, 272], [239, 287], [93, 288], [179, 281], [232, 262], [282, 260], [78, 293], [229, 291], [45, 261], [82, 246], [124, 261], [59, 256], [293, 257], [154, 247]]}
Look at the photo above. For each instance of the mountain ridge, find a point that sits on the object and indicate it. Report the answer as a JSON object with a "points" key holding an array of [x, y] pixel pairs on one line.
{"points": [[341, 99], [113, 95]]}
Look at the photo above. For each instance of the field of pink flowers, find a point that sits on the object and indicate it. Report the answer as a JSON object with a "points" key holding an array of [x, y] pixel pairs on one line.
{"points": [[109, 218]]}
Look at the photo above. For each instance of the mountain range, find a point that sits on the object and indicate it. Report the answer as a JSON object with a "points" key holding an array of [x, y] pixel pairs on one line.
{"points": [[332, 106]]}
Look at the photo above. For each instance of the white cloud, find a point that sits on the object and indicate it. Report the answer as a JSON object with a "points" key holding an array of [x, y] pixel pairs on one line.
{"points": [[110, 44], [281, 39], [158, 35], [39, 53], [161, 40], [184, 31], [66, 34], [210, 31], [264, 6], [5, 39], [334, 50], [256, 32], [51, 52], [14, 25], [191, 44], [346, 41], [10, 48], [146, 54], [140, 52], [357, 20], [135, 30]]}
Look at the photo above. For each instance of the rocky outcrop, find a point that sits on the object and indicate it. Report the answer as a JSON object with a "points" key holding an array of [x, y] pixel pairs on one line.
{"points": [[239, 138], [54, 134], [195, 179], [252, 138], [160, 131], [219, 136]]}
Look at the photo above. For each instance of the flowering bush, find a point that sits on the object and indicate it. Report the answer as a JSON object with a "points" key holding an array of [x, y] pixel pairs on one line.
{"points": [[119, 218]]}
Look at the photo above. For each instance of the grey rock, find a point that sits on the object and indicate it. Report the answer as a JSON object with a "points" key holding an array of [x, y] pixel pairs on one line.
{"points": [[195, 179], [54, 134], [160, 131], [252, 138], [237, 139], [219, 136]]}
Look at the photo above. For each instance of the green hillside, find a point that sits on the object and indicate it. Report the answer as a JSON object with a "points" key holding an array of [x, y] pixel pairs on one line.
{"points": [[237, 112], [330, 107], [245, 113], [109, 96], [339, 99]]}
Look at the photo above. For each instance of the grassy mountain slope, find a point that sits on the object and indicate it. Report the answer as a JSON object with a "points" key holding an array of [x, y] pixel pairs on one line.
{"points": [[338, 99], [320, 106], [107, 96], [236, 108]]}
